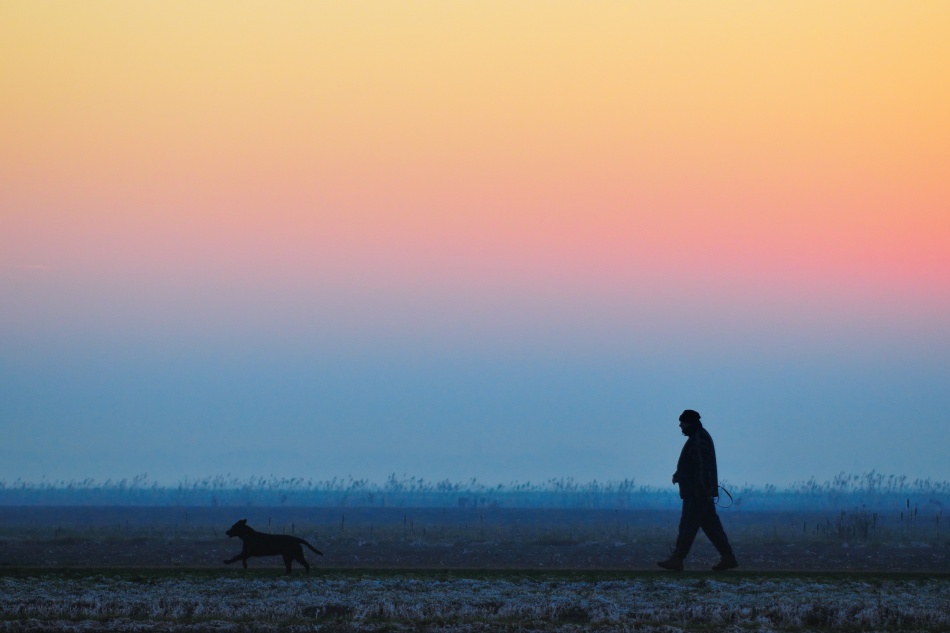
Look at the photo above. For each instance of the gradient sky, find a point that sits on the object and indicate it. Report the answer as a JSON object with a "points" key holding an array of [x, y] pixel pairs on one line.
{"points": [[503, 240]]}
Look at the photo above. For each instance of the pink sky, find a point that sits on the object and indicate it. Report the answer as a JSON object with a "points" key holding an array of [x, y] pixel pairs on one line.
{"points": [[699, 180]]}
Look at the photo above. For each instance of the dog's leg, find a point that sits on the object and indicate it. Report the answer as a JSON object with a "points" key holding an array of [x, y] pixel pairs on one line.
{"points": [[288, 560], [240, 557], [303, 561]]}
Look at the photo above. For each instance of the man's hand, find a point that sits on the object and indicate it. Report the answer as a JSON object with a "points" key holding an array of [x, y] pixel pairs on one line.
{"points": [[676, 478]]}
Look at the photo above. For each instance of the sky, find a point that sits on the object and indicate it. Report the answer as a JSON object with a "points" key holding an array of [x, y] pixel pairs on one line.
{"points": [[502, 240]]}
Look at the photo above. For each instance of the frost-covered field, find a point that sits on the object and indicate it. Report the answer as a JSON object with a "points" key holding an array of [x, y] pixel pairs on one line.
{"points": [[202, 601]]}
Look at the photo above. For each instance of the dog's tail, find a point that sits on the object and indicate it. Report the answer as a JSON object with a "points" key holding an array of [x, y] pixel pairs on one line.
{"points": [[303, 542]]}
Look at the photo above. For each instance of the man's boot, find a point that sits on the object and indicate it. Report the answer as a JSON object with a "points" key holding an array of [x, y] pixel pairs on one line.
{"points": [[672, 563], [726, 562]]}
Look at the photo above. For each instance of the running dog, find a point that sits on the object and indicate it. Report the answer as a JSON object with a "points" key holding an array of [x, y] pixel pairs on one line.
{"points": [[264, 544]]}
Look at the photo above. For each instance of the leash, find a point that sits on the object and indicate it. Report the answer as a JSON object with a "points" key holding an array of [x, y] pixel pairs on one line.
{"points": [[716, 500]]}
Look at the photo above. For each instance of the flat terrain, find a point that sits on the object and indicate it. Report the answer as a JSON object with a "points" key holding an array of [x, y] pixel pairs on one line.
{"points": [[491, 538], [160, 569], [211, 600]]}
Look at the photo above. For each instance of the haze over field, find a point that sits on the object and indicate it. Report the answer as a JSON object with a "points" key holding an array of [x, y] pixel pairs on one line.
{"points": [[509, 241]]}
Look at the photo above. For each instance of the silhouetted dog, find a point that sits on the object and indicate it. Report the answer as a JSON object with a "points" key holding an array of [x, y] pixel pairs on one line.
{"points": [[264, 544]]}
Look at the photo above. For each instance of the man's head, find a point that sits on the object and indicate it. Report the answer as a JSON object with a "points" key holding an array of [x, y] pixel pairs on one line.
{"points": [[689, 421]]}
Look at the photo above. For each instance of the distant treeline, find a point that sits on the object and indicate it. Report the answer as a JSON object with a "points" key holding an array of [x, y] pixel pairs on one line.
{"points": [[871, 490]]}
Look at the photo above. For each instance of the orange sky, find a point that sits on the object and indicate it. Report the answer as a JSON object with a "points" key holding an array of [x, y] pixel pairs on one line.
{"points": [[797, 148], [496, 239]]}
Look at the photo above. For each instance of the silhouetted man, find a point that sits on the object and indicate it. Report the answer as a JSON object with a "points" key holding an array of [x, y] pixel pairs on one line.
{"points": [[698, 479]]}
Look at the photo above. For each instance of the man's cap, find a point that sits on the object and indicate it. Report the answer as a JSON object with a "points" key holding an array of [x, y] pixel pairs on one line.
{"points": [[689, 416]]}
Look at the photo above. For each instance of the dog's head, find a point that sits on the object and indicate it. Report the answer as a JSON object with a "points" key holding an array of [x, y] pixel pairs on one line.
{"points": [[239, 529]]}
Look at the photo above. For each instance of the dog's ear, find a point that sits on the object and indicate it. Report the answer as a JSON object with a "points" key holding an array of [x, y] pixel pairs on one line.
{"points": [[243, 521]]}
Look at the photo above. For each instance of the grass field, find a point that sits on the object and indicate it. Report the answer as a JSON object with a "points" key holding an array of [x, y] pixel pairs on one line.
{"points": [[452, 538], [161, 569], [340, 600]]}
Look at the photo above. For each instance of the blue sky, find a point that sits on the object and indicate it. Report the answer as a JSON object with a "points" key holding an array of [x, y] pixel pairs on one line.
{"points": [[109, 409], [502, 240]]}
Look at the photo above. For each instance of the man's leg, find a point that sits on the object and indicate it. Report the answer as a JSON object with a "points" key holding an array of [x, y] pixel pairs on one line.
{"points": [[690, 521], [712, 527]]}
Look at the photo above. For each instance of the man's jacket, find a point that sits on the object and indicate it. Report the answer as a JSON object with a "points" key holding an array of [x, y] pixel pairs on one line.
{"points": [[696, 471]]}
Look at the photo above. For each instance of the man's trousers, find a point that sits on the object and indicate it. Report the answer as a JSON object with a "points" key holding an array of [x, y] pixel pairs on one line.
{"points": [[700, 513]]}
